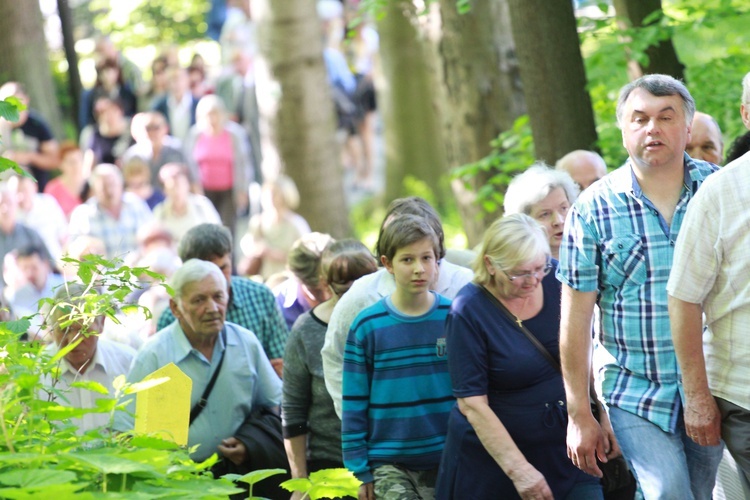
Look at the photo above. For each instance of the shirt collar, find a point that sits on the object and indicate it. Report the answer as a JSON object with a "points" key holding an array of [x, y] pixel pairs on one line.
{"points": [[183, 348], [66, 367], [624, 179]]}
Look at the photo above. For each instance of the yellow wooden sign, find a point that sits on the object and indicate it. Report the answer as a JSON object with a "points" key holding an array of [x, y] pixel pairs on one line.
{"points": [[165, 409]]}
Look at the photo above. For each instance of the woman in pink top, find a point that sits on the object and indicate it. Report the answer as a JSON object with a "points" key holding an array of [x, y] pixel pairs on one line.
{"points": [[218, 153], [69, 188]]}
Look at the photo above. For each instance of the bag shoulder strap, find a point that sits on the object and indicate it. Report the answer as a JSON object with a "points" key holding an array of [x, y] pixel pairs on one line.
{"points": [[203, 401], [532, 338]]}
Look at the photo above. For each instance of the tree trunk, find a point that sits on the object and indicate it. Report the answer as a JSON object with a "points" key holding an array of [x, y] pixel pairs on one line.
{"points": [[553, 75], [304, 127], [662, 58], [413, 141], [483, 95], [24, 57], [69, 44]]}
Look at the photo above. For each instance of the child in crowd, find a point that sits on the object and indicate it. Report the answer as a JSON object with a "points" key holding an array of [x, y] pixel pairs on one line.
{"points": [[397, 390]]}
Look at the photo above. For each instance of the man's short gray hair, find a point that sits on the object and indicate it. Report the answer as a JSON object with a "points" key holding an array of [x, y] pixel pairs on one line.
{"points": [[103, 169], [533, 185], [191, 271], [659, 86], [746, 90]]}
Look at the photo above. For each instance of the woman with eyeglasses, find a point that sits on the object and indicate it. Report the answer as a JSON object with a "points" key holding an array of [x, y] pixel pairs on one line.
{"points": [[545, 195], [506, 434], [312, 430]]}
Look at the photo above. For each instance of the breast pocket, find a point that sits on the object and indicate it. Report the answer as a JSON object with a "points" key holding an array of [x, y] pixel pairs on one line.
{"points": [[624, 261]]}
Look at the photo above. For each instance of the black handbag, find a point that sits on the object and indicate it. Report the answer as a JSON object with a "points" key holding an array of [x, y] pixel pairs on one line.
{"points": [[618, 482]]}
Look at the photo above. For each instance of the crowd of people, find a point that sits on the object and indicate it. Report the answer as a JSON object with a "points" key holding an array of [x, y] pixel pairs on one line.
{"points": [[600, 318]]}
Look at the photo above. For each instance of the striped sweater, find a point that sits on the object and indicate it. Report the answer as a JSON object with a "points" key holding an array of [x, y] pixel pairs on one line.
{"points": [[397, 390]]}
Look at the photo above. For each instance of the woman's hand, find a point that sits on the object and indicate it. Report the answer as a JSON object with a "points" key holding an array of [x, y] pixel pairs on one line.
{"points": [[530, 483]]}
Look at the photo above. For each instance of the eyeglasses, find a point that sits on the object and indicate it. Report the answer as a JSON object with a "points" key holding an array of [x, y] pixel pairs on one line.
{"points": [[536, 274]]}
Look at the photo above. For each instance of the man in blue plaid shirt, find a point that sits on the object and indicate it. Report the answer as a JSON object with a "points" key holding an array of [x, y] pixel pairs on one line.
{"points": [[617, 252]]}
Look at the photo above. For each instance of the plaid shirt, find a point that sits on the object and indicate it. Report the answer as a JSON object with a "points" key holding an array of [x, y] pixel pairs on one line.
{"points": [[118, 235], [618, 244], [252, 306]]}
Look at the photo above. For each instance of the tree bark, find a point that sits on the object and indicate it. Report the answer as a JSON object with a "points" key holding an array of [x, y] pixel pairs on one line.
{"points": [[662, 58], [24, 57], [69, 44], [413, 141], [304, 127], [553, 75], [483, 95]]}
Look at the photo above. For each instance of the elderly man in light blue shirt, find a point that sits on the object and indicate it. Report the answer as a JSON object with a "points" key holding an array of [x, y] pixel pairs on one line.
{"points": [[196, 343]]}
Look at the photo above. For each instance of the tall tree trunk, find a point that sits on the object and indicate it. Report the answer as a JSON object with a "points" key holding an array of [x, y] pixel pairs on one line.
{"points": [[483, 94], [69, 44], [24, 57], [413, 141], [662, 58], [553, 75], [304, 127]]}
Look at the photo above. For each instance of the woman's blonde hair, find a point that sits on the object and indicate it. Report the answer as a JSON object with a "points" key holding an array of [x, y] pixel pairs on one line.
{"points": [[511, 240]]}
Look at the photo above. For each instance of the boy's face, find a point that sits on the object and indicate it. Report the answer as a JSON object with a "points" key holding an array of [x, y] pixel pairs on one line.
{"points": [[414, 267]]}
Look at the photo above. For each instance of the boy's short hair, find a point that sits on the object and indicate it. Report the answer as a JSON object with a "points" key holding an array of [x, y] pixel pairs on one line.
{"points": [[403, 230], [416, 206]]}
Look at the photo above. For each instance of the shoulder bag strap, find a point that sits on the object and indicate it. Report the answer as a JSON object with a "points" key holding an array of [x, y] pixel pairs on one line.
{"points": [[523, 329], [203, 401]]}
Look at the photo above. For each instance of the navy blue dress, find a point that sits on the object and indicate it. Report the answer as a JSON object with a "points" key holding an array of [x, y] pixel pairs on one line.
{"points": [[488, 354]]}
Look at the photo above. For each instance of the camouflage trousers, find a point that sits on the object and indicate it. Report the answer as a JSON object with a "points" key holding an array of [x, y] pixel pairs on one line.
{"points": [[397, 483]]}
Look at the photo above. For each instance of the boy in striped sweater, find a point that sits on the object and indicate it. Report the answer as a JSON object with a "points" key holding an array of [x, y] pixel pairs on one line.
{"points": [[396, 389]]}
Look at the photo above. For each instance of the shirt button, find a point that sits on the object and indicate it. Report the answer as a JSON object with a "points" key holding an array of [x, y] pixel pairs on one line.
{"points": [[620, 245]]}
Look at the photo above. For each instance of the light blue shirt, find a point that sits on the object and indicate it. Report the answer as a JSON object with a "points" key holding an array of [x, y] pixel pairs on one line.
{"points": [[246, 379], [617, 244]]}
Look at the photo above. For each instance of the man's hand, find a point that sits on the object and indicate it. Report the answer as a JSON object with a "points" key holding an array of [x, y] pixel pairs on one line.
{"points": [[233, 450], [366, 492], [278, 366], [703, 419], [611, 448], [586, 441]]}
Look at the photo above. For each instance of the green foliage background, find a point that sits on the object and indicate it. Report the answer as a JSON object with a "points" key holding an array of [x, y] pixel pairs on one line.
{"points": [[712, 41]]}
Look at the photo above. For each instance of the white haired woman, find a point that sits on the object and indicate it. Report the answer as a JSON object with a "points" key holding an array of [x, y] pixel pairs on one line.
{"points": [[544, 194], [506, 435]]}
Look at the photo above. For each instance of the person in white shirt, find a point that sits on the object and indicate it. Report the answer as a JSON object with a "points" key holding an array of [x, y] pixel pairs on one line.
{"points": [[94, 359]]}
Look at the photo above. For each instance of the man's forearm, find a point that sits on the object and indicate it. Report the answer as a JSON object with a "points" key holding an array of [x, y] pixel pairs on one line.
{"points": [[686, 321]]}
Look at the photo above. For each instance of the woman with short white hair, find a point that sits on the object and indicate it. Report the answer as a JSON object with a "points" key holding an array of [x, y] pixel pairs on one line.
{"points": [[544, 194]]}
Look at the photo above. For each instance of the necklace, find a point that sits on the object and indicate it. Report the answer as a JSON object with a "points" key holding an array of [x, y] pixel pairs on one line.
{"points": [[519, 321]]}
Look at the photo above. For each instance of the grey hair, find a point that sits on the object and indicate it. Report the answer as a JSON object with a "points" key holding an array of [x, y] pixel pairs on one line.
{"points": [[103, 169], [191, 271], [746, 90], [511, 240], [533, 185], [659, 86]]}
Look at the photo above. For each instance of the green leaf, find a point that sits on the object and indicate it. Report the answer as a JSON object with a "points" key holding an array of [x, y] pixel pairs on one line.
{"points": [[145, 385], [108, 463], [301, 484], [189, 488], [10, 107], [36, 478], [90, 385], [259, 475], [19, 326]]}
